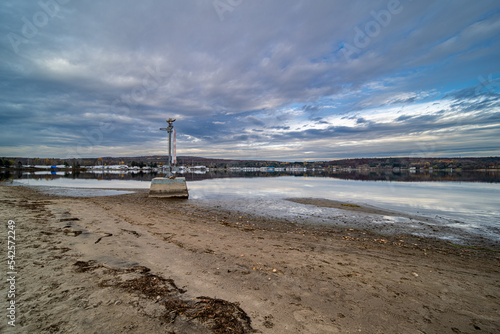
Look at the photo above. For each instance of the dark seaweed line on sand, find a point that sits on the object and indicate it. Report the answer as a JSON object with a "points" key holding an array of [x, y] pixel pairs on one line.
{"points": [[221, 316]]}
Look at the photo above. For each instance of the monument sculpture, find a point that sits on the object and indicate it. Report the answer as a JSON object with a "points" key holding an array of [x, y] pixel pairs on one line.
{"points": [[169, 186]]}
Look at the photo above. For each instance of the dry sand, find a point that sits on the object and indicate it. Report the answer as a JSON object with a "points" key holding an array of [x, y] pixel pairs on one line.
{"points": [[133, 264]]}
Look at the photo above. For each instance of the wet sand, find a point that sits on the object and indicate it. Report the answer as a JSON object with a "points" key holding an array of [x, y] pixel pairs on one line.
{"points": [[132, 264], [328, 203]]}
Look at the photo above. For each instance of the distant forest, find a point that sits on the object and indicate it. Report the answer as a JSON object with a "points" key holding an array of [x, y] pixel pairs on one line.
{"points": [[360, 163]]}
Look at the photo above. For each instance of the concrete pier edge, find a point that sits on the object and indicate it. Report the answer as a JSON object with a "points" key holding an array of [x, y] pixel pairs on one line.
{"points": [[165, 187]]}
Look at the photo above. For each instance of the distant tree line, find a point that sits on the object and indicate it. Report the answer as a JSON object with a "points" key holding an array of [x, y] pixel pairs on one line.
{"points": [[435, 163], [365, 163], [7, 163]]}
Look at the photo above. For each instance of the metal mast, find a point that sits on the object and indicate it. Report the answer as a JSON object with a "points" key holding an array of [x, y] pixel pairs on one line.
{"points": [[169, 130]]}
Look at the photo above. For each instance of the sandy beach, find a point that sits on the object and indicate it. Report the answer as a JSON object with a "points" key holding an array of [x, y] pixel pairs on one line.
{"points": [[133, 264]]}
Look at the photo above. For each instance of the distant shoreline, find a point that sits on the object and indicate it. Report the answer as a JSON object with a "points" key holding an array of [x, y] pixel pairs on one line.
{"points": [[489, 176], [379, 164]]}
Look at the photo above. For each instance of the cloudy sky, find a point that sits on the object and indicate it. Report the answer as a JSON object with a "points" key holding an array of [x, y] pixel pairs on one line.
{"points": [[250, 79]]}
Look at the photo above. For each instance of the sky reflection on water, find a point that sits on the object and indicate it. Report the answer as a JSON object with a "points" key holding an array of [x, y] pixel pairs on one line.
{"points": [[470, 206], [433, 196], [86, 183]]}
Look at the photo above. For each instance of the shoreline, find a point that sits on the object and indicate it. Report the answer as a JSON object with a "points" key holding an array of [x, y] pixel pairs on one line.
{"points": [[328, 203], [459, 221], [84, 263], [324, 213]]}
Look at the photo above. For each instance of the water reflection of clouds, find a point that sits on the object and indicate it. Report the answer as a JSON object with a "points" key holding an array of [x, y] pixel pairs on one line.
{"points": [[477, 203], [467, 205], [395, 220], [84, 183]]}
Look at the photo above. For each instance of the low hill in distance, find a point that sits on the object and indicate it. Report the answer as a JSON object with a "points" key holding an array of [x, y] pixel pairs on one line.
{"points": [[360, 163]]}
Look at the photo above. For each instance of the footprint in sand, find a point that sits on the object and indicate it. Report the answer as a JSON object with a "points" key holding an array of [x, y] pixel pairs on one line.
{"points": [[315, 324]]}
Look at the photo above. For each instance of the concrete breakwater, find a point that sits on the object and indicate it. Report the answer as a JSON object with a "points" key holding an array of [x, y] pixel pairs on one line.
{"points": [[168, 187]]}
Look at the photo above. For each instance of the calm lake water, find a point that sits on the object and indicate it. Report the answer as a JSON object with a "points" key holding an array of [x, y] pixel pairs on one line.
{"points": [[457, 210]]}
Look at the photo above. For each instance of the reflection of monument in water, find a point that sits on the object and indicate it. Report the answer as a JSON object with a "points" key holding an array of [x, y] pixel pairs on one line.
{"points": [[169, 186]]}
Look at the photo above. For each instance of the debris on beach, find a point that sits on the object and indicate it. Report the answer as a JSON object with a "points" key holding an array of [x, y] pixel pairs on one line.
{"points": [[217, 315]]}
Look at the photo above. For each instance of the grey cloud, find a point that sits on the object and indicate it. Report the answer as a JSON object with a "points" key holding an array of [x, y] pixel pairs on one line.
{"points": [[267, 65]]}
